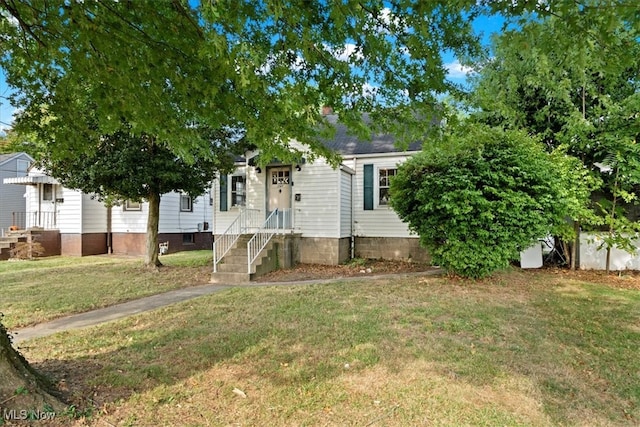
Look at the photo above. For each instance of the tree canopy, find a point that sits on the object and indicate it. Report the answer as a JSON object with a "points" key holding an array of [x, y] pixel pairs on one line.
{"points": [[573, 80], [264, 66]]}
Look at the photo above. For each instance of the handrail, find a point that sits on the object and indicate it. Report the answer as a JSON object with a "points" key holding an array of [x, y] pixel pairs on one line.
{"points": [[276, 222], [41, 219], [247, 219]]}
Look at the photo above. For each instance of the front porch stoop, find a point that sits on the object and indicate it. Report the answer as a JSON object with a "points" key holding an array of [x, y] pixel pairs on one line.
{"points": [[233, 267], [12, 237]]}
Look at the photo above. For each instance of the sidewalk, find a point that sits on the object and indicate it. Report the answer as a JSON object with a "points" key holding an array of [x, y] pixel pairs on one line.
{"points": [[118, 311]]}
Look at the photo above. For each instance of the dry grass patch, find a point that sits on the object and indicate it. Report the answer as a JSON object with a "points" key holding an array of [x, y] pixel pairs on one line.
{"points": [[41, 290], [515, 350]]}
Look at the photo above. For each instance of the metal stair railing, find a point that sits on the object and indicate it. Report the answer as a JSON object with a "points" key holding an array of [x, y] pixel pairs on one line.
{"points": [[261, 238], [248, 219]]}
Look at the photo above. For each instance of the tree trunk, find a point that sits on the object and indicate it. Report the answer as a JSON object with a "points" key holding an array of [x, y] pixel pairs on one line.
{"points": [[21, 387], [151, 258], [576, 245]]}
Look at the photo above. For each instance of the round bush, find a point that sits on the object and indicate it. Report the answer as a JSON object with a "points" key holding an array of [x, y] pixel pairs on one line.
{"points": [[478, 197]]}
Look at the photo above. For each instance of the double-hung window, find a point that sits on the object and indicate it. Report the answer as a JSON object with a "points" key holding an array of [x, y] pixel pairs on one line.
{"points": [[238, 190], [186, 204], [384, 180], [376, 192]]}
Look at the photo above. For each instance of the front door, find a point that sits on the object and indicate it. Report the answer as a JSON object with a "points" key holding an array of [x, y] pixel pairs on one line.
{"points": [[279, 194]]}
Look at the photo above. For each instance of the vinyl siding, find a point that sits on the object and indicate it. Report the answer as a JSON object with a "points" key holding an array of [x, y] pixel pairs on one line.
{"points": [[94, 215], [173, 220], [255, 199], [11, 195], [317, 214], [69, 213], [382, 221]]}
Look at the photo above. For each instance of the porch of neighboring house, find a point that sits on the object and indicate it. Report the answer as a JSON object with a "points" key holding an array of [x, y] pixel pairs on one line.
{"points": [[31, 227], [34, 226]]}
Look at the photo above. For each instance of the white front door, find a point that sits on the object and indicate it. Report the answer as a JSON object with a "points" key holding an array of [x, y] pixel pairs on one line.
{"points": [[279, 193]]}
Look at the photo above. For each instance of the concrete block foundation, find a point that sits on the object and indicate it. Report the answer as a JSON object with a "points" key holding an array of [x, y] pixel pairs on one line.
{"points": [[393, 248]]}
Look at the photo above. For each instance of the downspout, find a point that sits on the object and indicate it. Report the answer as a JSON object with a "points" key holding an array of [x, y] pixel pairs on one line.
{"points": [[353, 210], [109, 231], [39, 204]]}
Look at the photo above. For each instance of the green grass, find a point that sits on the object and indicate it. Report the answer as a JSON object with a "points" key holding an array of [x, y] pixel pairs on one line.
{"points": [[529, 349], [36, 291]]}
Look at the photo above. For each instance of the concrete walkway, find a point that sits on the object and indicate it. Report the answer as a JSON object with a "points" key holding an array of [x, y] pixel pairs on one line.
{"points": [[118, 311]]}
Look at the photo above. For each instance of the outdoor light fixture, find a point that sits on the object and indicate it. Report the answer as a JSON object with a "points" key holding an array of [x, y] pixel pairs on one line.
{"points": [[298, 168], [258, 169]]}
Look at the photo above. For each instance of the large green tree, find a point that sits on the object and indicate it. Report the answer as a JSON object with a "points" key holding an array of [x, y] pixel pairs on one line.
{"points": [[577, 88], [123, 166]]}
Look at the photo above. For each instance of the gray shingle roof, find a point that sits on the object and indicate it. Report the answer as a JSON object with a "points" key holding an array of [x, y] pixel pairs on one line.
{"points": [[347, 144], [4, 157]]}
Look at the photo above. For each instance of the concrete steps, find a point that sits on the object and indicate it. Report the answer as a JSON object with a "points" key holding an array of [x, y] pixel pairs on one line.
{"points": [[233, 267]]}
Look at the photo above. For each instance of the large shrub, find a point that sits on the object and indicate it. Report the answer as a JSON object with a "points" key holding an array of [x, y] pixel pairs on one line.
{"points": [[478, 197]]}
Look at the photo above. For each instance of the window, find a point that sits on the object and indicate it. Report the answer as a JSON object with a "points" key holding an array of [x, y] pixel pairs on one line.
{"points": [[47, 192], [186, 205], [188, 239], [22, 167], [132, 206], [384, 179], [238, 190]]}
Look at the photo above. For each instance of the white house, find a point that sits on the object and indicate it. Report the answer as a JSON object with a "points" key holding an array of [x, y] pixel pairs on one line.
{"points": [[326, 214], [79, 224], [12, 201]]}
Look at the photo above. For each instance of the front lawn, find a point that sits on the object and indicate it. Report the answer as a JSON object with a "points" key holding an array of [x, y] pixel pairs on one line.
{"points": [[523, 348], [41, 290]]}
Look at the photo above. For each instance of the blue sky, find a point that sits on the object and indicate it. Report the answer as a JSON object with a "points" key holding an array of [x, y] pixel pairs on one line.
{"points": [[485, 25]]}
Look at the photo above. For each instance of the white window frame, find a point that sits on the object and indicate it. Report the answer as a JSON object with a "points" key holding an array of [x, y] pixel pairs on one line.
{"points": [[189, 200], [22, 167], [48, 197], [233, 192], [380, 187], [130, 205]]}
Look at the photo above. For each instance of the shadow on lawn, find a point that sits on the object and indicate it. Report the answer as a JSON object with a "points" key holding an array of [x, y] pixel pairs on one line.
{"points": [[575, 345]]}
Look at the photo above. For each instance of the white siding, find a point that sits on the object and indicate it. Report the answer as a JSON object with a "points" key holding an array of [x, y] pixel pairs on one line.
{"points": [[593, 259], [68, 213], [94, 215], [317, 214], [12, 196], [123, 221], [345, 204], [173, 220], [256, 198], [382, 221]]}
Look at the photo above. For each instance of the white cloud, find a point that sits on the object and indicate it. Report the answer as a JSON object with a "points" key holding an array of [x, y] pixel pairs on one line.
{"points": [[369, 90], [345, 52], [7, 116], [456, 70], [385, 19]]}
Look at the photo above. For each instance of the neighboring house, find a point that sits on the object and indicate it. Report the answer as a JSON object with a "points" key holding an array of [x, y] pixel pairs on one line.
{"points": [[12, 200], [333, 214], [84, 226]]}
